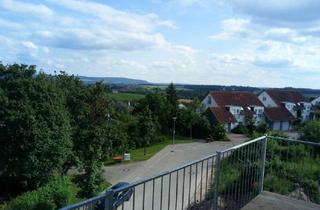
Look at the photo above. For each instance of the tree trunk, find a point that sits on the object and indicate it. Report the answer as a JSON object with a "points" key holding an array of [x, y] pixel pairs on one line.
{"points": [[191, 132]]}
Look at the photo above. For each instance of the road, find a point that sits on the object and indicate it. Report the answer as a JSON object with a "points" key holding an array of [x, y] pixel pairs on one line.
{"points": [[173, 195]]}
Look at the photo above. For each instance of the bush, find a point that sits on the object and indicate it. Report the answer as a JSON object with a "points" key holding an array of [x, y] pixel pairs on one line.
{"points": [[56, 194], [240, 129], [311, 131], [219, 133], [262, 128]]}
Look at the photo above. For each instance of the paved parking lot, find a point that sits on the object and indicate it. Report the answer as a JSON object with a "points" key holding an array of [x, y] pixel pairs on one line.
{"points": [[169, 158]]}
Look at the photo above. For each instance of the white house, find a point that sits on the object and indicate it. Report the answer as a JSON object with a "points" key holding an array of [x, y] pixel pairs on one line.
{"points": [[316, 101], [232, 108], [294, 102]]}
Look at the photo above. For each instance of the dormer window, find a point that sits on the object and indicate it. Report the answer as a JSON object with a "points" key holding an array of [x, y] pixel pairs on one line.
{"points": [[209, 100], [264, 98]]}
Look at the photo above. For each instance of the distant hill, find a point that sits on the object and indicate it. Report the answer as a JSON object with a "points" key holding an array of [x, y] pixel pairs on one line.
{"points": [[113, 80]]}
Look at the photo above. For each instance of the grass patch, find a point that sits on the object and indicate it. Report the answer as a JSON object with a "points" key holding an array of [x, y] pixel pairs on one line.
{"points": [[126, 96], [138, 154]]}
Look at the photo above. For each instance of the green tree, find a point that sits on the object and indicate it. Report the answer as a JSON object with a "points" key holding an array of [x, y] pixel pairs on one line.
{"points": [[172, 98], [190, 115], [146, 129], [93, 144], [158, 105], [34, 128], [311, 131]]}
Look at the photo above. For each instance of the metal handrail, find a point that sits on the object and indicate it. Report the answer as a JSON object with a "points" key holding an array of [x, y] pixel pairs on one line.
{"points": [[82, 203], [257, 145], [147, 179], [295, 141]]}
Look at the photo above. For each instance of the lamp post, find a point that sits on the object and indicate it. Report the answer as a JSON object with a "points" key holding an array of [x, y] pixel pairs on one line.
{"points": [[174, 129]]}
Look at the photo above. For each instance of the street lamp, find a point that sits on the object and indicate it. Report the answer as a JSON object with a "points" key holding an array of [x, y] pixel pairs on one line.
{"points": [[174, 129]]}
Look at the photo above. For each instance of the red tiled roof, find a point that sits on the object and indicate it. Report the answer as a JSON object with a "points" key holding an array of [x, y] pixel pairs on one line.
{"points": [[243, 99], [222, 115], [277, 114], [289, 96]]}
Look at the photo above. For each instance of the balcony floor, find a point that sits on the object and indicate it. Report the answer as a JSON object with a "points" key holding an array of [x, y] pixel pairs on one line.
{"points": [[268, 201]]}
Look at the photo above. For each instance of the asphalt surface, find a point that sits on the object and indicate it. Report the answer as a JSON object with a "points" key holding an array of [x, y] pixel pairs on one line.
{"points": [[173, 191]]}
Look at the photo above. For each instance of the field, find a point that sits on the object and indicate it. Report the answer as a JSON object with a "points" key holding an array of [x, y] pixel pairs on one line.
{"points": [[127, 96]]}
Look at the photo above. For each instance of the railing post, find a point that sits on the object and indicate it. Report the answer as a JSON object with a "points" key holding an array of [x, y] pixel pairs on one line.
{"points": [[263, 163], [109, 200], [216, 181]]}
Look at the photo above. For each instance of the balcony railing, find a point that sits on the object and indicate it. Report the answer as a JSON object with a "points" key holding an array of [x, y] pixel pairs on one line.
{"points": [[228, 179]]}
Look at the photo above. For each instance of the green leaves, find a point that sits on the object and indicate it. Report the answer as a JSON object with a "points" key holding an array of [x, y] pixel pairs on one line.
{"points": [[35, 131], [311, 131]]}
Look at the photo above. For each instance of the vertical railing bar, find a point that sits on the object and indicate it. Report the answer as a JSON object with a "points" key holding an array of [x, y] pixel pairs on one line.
{"points": [[247, 162], [201, 180], [144, 195], [195, 184], [219, 194], [153, 182], [212, 179], [161, 192], [216, 184], [226, 176], [189, 194], [251, 169], [183, 180], [238, 183], [177, 183], [169, 191], [263, 165], [258, 167], [207, 176], [242, 162], [133, 198]]}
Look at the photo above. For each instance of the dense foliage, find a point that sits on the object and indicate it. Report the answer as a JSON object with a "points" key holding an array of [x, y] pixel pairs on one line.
{"points": [[55, 194], [35, 130], [50, 124], [311, 131]]}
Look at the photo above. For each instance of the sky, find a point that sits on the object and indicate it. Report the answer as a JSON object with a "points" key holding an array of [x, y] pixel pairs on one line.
{"points": [[274, 43]]}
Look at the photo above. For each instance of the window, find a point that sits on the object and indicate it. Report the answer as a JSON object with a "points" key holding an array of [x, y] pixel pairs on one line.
{"points": [[264, 99], [209, 100]]}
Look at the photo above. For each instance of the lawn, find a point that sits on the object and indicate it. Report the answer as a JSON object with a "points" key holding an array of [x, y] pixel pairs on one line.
{"points": [[138, 154], [127, 96]]}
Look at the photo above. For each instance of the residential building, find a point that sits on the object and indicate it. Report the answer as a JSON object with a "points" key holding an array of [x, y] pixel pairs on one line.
{"points": [[184, 103], [278, 118], [294, 102], [316, 101], [232, 108]]}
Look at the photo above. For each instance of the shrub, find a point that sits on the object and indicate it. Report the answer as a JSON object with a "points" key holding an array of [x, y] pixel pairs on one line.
{"points": [[262, 128], [240, 129], [311, 131], [219, 133], [56, 194]]}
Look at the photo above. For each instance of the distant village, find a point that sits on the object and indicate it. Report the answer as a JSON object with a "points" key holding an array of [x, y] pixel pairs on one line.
{"points": [[279, 109]]}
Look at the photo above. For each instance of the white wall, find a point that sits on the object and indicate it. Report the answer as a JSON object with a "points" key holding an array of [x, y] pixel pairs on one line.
{"points": [[280, 126], [291, 108], [316, 101], [266, 100], [206, 102], [259, 117], [306, 112]]}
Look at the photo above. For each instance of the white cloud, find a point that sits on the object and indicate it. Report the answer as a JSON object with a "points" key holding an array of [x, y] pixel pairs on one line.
{"points": [[27, 8], [232, 27]]}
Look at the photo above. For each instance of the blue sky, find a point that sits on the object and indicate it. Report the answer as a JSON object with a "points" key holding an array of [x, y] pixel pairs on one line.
{"points": [[229, 42]]}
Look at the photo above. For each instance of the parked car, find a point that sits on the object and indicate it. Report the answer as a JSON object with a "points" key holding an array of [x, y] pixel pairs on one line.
{"points": [[118, 198]]}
